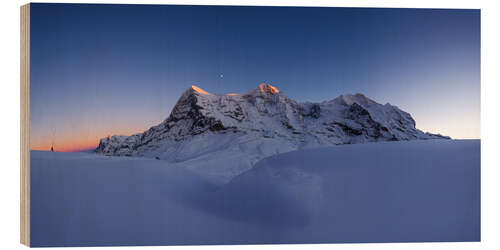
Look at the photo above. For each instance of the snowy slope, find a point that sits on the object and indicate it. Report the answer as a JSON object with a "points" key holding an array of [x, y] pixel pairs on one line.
{"points": [[372, 192], [414, 191], [226, 134]]}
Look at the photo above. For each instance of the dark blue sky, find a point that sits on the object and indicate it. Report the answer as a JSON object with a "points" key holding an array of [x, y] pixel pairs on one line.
{"points": [[119, 69]]}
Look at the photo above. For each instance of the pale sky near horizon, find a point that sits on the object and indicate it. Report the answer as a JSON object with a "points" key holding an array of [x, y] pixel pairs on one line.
{"points": [[98, 70]]}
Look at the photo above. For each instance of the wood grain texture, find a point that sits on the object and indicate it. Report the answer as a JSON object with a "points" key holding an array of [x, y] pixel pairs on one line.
{"points": [[25, 124]]}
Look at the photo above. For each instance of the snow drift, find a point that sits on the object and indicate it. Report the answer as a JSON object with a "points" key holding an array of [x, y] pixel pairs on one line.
{"points": [[373, 192]]}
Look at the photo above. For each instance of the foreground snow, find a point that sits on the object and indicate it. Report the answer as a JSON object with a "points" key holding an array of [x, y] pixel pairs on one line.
{"points": [[373, 192]]}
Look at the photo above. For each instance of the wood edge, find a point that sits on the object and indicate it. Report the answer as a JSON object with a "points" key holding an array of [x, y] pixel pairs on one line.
{"points": [[25, 124]]}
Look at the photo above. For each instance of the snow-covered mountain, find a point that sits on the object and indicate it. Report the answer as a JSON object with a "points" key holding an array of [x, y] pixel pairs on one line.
{"points": [[223, 135]]}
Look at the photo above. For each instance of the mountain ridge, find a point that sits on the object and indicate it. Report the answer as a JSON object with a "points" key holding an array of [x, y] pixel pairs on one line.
{"points": [[204, 128]]}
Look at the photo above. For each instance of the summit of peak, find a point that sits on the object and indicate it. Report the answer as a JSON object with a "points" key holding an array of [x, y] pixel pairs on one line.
{"points": [[360, 95], [354, 98], [268, 88], [198, 90]]}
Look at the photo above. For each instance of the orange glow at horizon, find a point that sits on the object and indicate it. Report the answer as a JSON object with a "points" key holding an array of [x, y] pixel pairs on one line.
{"points": [[75, 143]]}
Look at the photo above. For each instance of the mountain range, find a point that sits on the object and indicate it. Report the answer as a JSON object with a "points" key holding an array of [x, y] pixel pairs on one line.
{"points": [[223, 135]]}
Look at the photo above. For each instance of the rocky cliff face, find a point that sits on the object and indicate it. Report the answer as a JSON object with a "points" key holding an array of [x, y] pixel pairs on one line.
{"points": [[227, 134]]}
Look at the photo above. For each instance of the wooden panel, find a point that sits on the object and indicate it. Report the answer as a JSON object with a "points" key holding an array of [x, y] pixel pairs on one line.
{"points": [[25, 124]]}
